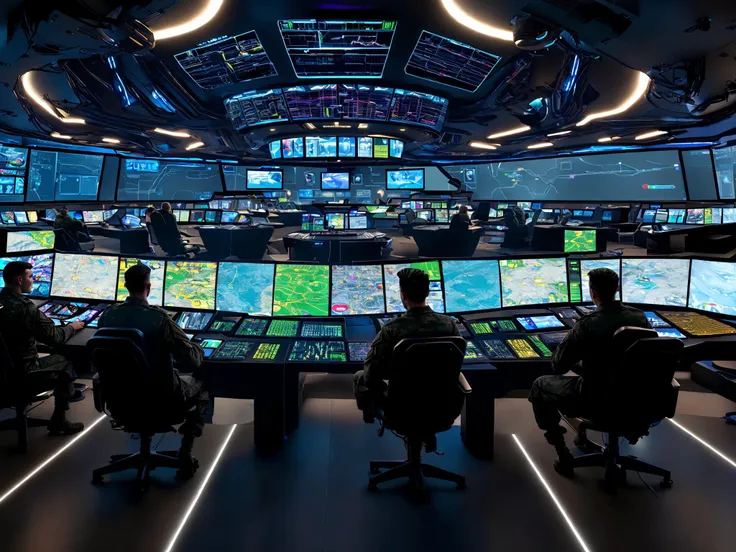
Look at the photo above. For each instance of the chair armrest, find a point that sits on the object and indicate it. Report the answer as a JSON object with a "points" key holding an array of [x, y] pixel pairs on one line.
{"points": [[675, 384], [97, 395], [464, 385]]}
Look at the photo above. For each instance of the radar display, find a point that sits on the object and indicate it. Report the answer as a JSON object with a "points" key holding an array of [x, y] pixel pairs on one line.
{"points": [[301, 290], [533, 281], [190, 285], [655, 281], [256, 108], [471, 285], [245, 287], [157, 278], [357, 289], [418, 108], [85, 276]]}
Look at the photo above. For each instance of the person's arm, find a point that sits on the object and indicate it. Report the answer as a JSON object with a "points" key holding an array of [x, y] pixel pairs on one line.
{"points": [[184, 351], [378, 360], [570, 351], [44, 330]]}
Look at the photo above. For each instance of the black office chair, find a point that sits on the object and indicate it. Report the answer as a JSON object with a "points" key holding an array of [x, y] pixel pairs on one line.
{"points": [[137, 397], [642, 392], [169, 238], [64, 241], [425, 395]]}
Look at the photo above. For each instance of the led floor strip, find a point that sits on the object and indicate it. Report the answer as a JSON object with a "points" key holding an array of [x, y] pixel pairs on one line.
{"points": [[50, 459], [706, 445], [552, 495], [193, 504]]}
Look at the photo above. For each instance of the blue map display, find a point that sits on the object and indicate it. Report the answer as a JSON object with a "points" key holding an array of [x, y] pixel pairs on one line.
{"points": [[407, 179], [471, 285], [60, 176], [655, 281], [587, 266], [245, 287], [713, 287], [533, 281], [155, 180]]}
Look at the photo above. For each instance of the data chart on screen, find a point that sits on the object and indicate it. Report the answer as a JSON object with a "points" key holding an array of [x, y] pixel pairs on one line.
{"points": [[301, 290], [655, 281], [357, 289], [245, 287], [42, 269], [157, 278], [471, 285], [190, 284], [533, 281], [85, 276]]}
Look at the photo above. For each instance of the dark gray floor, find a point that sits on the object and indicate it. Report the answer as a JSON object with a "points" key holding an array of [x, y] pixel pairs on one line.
{"points": [[312, 495]]}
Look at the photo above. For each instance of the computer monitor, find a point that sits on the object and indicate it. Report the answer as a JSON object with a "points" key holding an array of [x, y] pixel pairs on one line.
{"points": [[229, 217], [292, 148], [301, 290], [7, 218], [393, 295], [405, 179], [197, 216], [397, 148], [717, 215], [729, 215], [210, 217], [711, 287], [365, 147], [190, 285], [85, 276], [607, 216], [255, 298], [358, 222], [587, 214], [335, 181], [50, 214], [157, 267], [532, 323], [426, 215], [131, 221], [502, 206], [272, 179], [356, 289], [441, 215], [471, 285], [655, 281], [533, 281], [577, 213], [20, 217], [32, 216], [695, 216], [536, 206], [335, 220], [587, 265], [649, 215], [93, 216], [580, 241], [346, 146], [676, 216], [27, 241], [661, 216]]}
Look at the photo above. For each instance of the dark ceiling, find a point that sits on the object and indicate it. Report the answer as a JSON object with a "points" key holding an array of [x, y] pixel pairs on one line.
{"points": [[591, 65]]}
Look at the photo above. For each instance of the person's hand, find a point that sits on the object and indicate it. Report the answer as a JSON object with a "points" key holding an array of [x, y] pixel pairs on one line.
{"points": [[78, 325]]}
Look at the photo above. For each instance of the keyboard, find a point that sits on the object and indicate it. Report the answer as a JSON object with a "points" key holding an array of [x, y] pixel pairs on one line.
{"points": [[697, 325]]}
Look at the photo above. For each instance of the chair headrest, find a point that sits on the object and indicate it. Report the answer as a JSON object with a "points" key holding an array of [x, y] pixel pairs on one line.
{"points": [[132, 335], [450, 345]]}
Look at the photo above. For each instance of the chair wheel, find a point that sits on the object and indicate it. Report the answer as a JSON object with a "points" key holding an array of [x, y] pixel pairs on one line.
{"points": [[97, 479], [666, 484]]}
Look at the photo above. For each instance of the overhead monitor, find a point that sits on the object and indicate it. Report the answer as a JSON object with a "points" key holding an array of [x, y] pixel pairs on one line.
{"points": [[380, 148], [337, 49], [27, 241], [85, 276], [190, 285], [159, 180], [61, 176], [292, 148], [357, 289], [321, 146], [224, 61], [245, 287], [405, 179], [587, 265], [271, 179], [655, 281], [471, 285], [725, 162], [533, 281], [157, 278], [449, 62], [393, 291], [306, 103], [365, 147], [695, 216], [42, 269], [335, 181], [396, 148], [712, 285], [274, 148], [363, 102], [358, 222], [301, 290], [700, 174], [256, 107], [335, 221], [346, 146], [13, 165], [580, 241], [418, 108]]}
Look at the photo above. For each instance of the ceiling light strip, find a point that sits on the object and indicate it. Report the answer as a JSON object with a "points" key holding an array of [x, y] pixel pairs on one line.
{"points": [[467, 20], [511, 132], [62, 136], [540, 145], [194, 145], [561, 133], [652, 134], [706, 445], [641, 87], [111, 140], [174, 133], [43, 104], [552, 495], [481, 145], [199, 20]]}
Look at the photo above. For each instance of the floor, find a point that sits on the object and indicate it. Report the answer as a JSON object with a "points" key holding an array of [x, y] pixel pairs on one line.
{"points": [[312, 495]]}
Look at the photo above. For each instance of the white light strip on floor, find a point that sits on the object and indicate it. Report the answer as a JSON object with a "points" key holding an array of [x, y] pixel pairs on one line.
{"points": [[192, 505], [552, 495], [51, 459], [706, 445]]}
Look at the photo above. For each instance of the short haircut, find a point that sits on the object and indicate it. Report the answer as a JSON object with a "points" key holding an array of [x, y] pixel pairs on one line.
{"points": [[166, 207], [63, 211], [14, 269], [414, 283], [150, 210], [604, 282], [137, 278], [463, 209]]}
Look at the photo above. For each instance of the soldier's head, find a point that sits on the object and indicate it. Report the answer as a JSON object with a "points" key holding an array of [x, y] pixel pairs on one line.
{"points": [[138, 281], [603, 285], [414, 285], [18, 276], [166, 207], [64, 212], [463, 209]]}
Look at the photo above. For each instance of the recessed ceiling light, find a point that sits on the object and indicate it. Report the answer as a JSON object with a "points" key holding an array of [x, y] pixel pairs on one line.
{"points": [[194, 145], [363, 125], [310, 126], [199, 20], [175, 133], [652, 134], [402, 129], [510, 132], [482, 145], [111, 140], [46, 106], [540, 145], [471, 22], [62, 136], [642, 84], [561, 133], [609, 139]]}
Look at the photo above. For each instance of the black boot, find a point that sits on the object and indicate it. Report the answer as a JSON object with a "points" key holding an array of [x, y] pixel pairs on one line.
{"points": [[58, 424], [564, 464], [189, 463]]}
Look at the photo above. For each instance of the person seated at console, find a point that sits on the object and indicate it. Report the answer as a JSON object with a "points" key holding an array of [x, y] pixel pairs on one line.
{"points": [[158, 328], [460, 220], [22, 327], [76, 228], [418, 321], [586, 350]]}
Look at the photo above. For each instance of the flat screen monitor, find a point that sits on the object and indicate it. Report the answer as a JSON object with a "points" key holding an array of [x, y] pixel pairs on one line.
{"points": [[210, 217], [533, 281], [156, 180], [649, 215], [729, 215], [418, 108], [536, 206], [255, 107], [321, 146], [676, 216], [30, 240], [391, 279], [313, 222], [93, 216], [655, 281], [717, 213], [577, 213], [587, 265], [532, 323], [335, 181], [32, 216], [661, 215], [670, 332], [274, 148], [380, 148], [695, 216], [441, 215], [42, 269], [20, 217], [245, 287], [712, 285], [131, 221], [471, 285], [190, 285], [580, 241], [7, 217], [700, 174], [335, 220], [588, 214], [264, 179], [292, 148], [301, 290], [396, 148], [346, 146], [183, 216], [607, 216], [61, 176], [229, 217], [13, 164], [157, 278], [357, 289], [365, 147], [405, 179], [358, 222], [85, 276], [427, 215]]}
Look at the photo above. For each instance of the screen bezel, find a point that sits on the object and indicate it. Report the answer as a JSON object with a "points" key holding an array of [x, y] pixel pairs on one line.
{"points": [[260, 189]]}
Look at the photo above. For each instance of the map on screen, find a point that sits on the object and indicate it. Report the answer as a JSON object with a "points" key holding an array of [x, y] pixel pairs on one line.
{"points": [[42, 268], [357, 289], [655, 281], [190, 285], [471, 285], [533, 281], [157, 278], [713, 287], [85, 276], [245, 287], [587, 266], [32, 240], [579, 241], [393, 292], [301, 290]]}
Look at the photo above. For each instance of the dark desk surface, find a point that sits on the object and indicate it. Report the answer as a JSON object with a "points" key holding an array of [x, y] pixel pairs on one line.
{"points": [[338, 236]]}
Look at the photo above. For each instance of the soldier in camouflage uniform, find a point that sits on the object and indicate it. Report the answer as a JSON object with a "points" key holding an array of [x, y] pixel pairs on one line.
{"points": [[76, 228], [22, 326], [158, 328], [418, 321], [586, 350]]}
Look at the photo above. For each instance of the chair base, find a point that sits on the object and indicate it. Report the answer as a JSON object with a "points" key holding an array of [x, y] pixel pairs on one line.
{"points": [[21, 423]]}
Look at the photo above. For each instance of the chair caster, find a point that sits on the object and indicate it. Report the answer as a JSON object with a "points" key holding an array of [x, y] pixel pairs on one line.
{"points": [[97, 479], [666, 483]]}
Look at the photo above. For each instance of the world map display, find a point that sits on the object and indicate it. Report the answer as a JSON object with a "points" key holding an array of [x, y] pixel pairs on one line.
{"points": [[393, 290], [357, 289], [587, 266], [190, 285], [245, 287], [85, 276], [533, 281], [19, 242], [157, 278], [471, 285], [655, 281], [301, 290], [713, 287]]}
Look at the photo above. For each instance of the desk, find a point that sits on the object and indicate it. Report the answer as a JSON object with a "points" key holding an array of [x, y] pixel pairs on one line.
{"points": [[435, 240], [244, 242], [552, 237], [337, 247], [711, 238], [291, 217], [133, 241]]}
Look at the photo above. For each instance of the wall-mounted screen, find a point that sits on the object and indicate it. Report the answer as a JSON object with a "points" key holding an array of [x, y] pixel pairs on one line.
{"points": [[85, 276], [312, 102], [700, 174], [256, 107], [292, 148], [471, 285], [712, 285], [365, 147], [655, 281], [30, 240], [264, 179], [405, 179], [359, 101], [13, 164], [301, 290], [335, 181], [396, 148], [61, 176], [159, 180], [42, 269], [393, 290], [245, 287], [533, 281], [346, 146], [321, 146], [418, 108], [357, 289]]}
